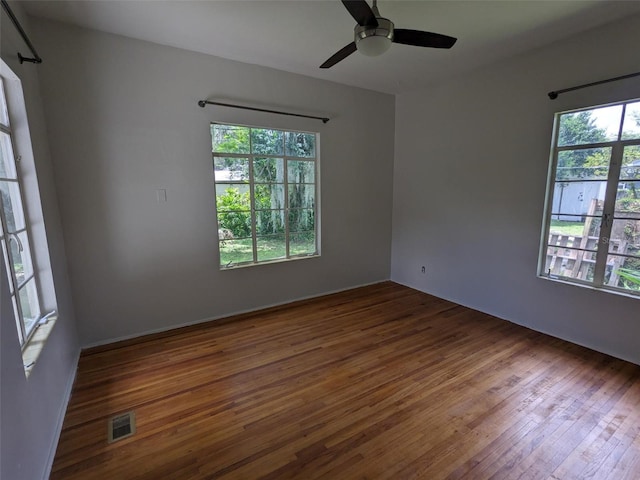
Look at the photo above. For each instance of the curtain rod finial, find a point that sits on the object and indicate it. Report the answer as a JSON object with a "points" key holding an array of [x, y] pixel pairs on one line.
{"points": [[553, 95], [202, 103]]}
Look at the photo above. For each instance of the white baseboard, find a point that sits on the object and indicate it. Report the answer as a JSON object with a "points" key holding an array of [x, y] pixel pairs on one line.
{"points": [[61, 414], [226, 315]]}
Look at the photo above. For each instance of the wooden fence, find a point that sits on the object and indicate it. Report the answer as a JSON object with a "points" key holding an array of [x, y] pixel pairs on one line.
{"points": [[564, 260], [574, 256]]}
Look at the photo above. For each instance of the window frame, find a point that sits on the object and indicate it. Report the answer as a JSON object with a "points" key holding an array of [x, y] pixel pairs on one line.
{"points": [[607, 216], [252, 183], [25, 333]]}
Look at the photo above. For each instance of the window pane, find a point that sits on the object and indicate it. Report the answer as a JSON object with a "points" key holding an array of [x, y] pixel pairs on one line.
{"points": [[232, 197], [590, 126], [4, 116], [301, 171], [268, 170], [564, 226], [587, 163], [570, 263], [269, 222], [577, 198], [12, 206], [7, 164], [21, 256], [236, 251], [631, 126], [234, 224], [625, 237], [231, 169], [301, 196], [28, 295], [301, 220], [561, 241], [234, 211], [628, 199], [630, 169], [623, 272], [14, 302], [269, 196], [230, 139], [302, 243], [267, 142], [300, 144], [271, 247]]}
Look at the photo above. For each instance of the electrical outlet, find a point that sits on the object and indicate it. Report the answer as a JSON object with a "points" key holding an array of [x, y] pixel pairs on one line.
{"points": [[424, 270]]}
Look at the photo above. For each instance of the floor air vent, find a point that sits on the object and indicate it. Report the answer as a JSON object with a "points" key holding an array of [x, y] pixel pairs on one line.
{"points": [[122, 426]]}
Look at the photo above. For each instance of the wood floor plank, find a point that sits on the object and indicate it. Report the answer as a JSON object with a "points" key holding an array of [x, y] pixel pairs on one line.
{"points": [[376, 382]]}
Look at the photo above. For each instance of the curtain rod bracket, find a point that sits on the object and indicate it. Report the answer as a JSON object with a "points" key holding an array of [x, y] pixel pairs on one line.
{"points": [[204, 103], [36, 58], [28, 59]]}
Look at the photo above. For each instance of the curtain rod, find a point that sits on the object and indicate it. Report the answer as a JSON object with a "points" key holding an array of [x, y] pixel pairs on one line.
{"points": [[203, 103], [553, 95], [36, 58]]}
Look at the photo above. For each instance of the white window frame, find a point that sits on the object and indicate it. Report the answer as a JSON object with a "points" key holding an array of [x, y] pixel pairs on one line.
{"points": [[26, 327], [608, 210], [252, 184], [20, 156]]}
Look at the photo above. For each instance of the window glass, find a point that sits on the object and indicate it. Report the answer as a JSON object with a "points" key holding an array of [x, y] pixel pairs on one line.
{"points": [[12, 206], [266, 199], [268, 170], [7, 165], [583, 164], [299, 144], [271, 247], [301, 171], [631, 126], [21, 256], [269, 196], [593, 209], [231, 169], [590, 126], [230, 139], [267, 142], [28, 295], [4, 114]]}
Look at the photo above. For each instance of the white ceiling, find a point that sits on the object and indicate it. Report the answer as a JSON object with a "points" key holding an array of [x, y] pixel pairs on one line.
{"points": [[297, 36]]}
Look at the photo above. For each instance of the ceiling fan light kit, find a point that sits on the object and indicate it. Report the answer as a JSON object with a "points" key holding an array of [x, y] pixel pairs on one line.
{"points": [[375, 34], [374, 41]]}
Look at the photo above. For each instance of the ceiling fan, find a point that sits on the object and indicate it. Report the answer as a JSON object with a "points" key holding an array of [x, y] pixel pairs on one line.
{"points": [[374, 34]]}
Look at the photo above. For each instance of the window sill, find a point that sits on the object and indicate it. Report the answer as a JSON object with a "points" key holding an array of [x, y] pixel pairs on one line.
{"points": [[236, 266], [36, 343], [589, 286]]}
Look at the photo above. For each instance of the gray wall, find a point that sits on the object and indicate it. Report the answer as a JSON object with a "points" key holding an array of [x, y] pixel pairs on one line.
{"points": [[31, 411], [124, 121], [470, 170]]}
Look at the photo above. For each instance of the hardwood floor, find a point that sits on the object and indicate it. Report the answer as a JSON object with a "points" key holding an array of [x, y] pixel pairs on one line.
{"points": [[377, 382]]}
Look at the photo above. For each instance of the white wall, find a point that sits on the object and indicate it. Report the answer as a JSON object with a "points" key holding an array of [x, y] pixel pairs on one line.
{"points": [[124, 121], [31, 411], [471, 163]]}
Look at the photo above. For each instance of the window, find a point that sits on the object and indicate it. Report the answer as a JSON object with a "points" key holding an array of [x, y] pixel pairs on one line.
{"points": [[23, 237], [592, 219], [266, 184], [15, 233]]}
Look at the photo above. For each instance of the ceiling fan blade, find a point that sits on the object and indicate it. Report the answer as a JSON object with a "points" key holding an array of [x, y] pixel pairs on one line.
{"points": [[422, 39], [340, 55], [361, 12]]}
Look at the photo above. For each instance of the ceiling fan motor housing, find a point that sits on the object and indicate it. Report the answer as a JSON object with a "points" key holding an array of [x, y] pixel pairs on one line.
{"points": [[374, 41]]}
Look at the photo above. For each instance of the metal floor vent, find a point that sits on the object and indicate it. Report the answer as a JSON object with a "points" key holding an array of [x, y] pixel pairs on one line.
{"points": [[122, 426]]}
